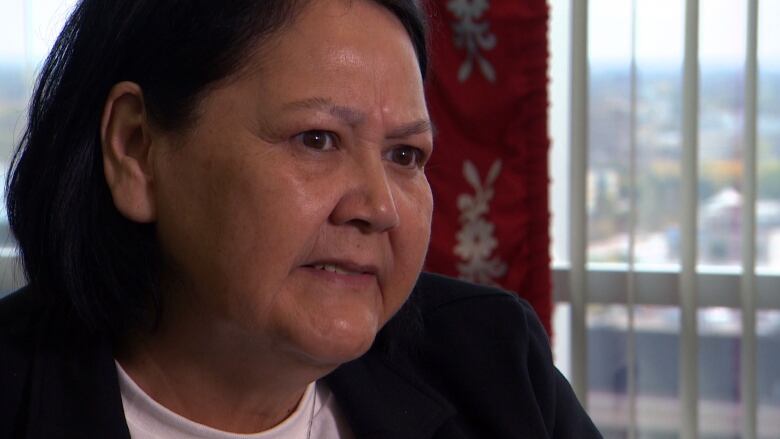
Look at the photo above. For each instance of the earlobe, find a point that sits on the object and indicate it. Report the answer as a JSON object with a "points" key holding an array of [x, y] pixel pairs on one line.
{"points": [[126, 139]]}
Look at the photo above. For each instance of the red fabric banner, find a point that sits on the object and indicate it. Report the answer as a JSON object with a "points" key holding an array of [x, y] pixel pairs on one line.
{"points": [[487, 94]]}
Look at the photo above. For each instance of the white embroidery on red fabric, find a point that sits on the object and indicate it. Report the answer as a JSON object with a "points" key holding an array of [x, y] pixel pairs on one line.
{"points": [[476, 240], [473, 36]]}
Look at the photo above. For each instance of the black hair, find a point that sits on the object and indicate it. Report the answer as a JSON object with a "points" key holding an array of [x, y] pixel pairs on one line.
{"points": [[76, 248]]}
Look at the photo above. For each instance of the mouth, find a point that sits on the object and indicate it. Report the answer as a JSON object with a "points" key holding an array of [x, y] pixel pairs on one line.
{"points": [[343, 268]]}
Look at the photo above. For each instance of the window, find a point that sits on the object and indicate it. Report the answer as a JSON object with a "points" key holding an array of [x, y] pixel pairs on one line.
{"points": [[634, 201], [27, 31]]}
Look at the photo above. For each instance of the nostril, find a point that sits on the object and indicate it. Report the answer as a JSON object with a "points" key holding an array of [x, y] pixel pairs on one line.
{"points": [[361, 224]]}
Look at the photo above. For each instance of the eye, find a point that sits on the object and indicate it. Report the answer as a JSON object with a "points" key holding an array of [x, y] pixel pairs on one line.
{"points": [[317, 139], [406, 156]]}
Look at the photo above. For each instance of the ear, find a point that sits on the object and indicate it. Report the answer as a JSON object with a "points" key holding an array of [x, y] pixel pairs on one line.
{"points": [[126, 139]]}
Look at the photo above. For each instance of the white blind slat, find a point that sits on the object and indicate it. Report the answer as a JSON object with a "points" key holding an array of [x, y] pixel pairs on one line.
{"points": [[578, 218], [631, 350], [689, 343], [748, 281]]}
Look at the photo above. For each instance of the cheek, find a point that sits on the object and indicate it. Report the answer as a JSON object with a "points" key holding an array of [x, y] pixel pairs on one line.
{"points": [[237, 229], [210, 208], [267, 218], [410, 240], [415, 211]]}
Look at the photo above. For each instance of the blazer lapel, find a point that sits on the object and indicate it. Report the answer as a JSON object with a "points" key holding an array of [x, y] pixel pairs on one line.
{"points": [[381, 399]]}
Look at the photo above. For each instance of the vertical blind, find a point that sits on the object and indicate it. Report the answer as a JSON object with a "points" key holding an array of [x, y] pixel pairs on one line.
{"points": [[748, 283], [688, 289], [574, 284]]}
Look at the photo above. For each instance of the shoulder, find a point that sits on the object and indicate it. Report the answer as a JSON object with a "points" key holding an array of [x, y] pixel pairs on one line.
{"points": [[450, 318], [485, 350], [21, 315], [483, 310], [434, 291], [474, 329], [482, 340], [57, 378], [441, 290], [18, 309], [24, 315]]}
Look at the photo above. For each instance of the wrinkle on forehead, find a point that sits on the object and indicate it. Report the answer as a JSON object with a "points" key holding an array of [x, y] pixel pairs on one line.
{"points": [[361, 71], [354, 116]]}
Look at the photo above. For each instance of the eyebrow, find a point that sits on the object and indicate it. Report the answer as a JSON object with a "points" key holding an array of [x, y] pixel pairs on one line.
{"points": [[347, 114], [411, 129], [354, 116]]}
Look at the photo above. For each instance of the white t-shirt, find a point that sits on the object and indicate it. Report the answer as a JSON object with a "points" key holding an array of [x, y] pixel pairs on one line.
{"points": [[147, 419]]}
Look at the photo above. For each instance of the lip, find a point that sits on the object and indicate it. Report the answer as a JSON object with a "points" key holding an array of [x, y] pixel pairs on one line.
{"points": [[352, 268], [357, 275]]}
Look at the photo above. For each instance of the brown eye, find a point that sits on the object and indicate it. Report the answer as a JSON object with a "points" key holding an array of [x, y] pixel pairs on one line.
{"points": [[317, 139], [405, 156]]}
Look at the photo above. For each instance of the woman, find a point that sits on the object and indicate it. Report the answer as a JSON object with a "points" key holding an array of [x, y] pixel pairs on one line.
{"points": [[223, 215]]}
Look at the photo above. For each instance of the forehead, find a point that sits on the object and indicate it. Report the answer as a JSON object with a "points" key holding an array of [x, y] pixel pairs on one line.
{"points": [[354, 53]]}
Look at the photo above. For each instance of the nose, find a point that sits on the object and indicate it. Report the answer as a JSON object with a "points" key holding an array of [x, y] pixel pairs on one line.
{"points": [[367, 201]]}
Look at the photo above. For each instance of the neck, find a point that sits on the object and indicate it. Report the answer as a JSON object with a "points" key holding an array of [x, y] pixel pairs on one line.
{"points": [[216, 378]]}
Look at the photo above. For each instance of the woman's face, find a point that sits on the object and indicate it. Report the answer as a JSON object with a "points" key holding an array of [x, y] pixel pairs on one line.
{"points": [[295, 213]]}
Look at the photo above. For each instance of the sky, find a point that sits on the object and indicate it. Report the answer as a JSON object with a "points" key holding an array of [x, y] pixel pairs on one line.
{"points": [[660, 30], [29, 27]]}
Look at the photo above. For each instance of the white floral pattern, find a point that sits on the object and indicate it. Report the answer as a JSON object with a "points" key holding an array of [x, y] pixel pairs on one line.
{"points": [[475, 240], [473, 36]]}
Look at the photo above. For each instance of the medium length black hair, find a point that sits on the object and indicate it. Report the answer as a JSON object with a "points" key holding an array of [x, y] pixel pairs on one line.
{"points": [[76, 248]]}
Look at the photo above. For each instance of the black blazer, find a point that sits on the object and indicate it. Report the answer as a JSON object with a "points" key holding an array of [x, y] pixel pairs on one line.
{"points": [[457, 361]]}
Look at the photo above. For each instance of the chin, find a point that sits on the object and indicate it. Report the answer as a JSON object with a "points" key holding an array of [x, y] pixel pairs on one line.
{"points": [[341, 342]]}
